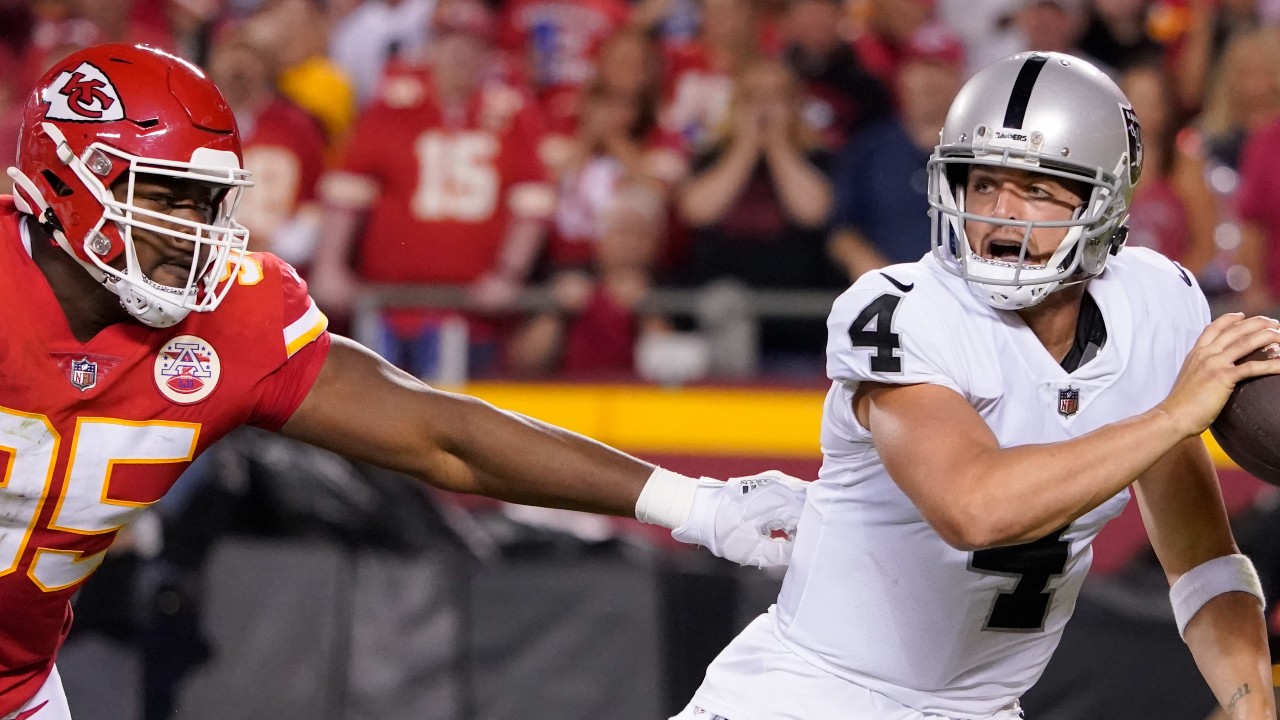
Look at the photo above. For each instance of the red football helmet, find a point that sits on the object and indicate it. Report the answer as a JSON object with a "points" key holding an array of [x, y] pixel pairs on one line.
{"points": [[102, 117]]}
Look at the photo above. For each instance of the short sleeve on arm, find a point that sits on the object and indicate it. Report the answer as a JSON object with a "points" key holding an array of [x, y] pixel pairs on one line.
{"points": [[284, 390], [879, 333], [304, 345]]}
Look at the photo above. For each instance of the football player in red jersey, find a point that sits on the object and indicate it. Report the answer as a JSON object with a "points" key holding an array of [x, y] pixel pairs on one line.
{"points": [[117, 247], [440, 183]]}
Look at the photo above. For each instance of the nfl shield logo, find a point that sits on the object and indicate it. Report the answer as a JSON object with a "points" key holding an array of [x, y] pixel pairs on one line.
{"points": [[84, 373], [1068, 401]]}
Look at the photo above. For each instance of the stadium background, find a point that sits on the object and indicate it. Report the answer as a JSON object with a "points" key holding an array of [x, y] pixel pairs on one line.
{"points": [[278, 582]]}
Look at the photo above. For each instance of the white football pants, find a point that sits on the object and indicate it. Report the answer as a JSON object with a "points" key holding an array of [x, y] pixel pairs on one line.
{"points": [[49, 703]]}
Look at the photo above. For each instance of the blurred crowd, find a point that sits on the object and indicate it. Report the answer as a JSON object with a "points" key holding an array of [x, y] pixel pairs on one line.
{"points": [[553, 165]]}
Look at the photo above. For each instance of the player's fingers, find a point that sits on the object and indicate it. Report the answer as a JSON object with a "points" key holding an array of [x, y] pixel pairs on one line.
{"points": [[1257, 368], [1235, 333], [1243, 346], [1215, 328]]}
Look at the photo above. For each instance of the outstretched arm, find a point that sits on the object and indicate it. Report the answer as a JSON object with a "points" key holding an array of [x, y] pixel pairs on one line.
{"points": [[363, 407], [1182, 508]]}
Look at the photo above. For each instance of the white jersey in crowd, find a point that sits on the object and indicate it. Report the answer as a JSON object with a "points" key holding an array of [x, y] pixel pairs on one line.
{"points": [[874, 599]]}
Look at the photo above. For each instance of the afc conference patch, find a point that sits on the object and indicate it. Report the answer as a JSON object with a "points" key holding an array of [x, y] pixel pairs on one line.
{"points": [[1068, 401], [187, 369]]}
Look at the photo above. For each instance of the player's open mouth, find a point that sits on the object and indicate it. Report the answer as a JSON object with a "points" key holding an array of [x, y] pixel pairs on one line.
{"points": [[1006, 252]]}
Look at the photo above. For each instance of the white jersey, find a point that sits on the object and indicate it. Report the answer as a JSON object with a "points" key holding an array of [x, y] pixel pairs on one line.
{"points": [[873, 595]]}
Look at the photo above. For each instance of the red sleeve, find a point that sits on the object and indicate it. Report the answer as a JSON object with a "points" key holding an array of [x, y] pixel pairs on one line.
{"points": [[304, 343], [525, 137], [284, 390], [511, 37]]}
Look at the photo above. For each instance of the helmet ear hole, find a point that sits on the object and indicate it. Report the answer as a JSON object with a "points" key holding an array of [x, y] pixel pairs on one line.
{"points": [[60, 188]]}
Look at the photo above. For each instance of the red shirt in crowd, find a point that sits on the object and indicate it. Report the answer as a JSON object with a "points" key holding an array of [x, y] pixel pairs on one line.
{"points": [[284, 148], [1259, 188], [440, 189], [558, 40]]}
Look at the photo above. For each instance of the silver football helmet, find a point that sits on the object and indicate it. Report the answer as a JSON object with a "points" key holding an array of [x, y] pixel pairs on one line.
{"points": [[1049, 113]]}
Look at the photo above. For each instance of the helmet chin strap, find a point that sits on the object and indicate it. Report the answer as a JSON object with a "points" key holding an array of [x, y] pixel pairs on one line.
{"points": [[151, 310]]}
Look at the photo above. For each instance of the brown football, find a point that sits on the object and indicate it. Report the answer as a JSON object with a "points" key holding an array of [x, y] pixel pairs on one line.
{"points": [[1248, 428]]}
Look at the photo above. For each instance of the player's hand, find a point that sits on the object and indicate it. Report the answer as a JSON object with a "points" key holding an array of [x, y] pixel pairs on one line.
{"points": [[749, 520], [1210, 372], [494, 292]]}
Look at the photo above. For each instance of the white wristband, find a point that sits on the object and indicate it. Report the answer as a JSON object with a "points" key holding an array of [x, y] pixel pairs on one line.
{"points": [[1204, 582], [666, 499]]}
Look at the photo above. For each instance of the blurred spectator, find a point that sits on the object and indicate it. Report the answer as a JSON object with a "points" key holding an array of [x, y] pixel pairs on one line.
{"points": [[1260, 215], [984, 28], [1244, 95], [17, 21], [701, 74], [841, 96], [675, 22], [193, 24], [598, 321], [882, 206], [56, 33], [557, 41], [759, 197], [446, 168], [283, 147], [1173, 210], [1115, 33], [298, 30], [374, 32], [618, 142], [129, 21], [1244, 101], [1054, 26], [1199, 40], [888, 28]]}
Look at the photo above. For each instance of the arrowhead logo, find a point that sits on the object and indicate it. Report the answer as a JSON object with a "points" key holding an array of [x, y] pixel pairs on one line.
{"points": [[85, 94]]}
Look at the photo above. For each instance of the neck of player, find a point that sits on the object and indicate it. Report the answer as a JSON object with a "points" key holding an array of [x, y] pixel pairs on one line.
{"points": [[1054, 320], [88, 306]]}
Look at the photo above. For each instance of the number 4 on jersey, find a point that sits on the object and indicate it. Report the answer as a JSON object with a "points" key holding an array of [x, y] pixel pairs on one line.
{"points": [[879, 313]]}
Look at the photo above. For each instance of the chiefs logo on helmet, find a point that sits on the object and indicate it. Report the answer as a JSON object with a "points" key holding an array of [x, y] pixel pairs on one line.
{"points": [[83, 95]]}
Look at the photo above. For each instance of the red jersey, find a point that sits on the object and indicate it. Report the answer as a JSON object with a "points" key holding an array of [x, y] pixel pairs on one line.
{"points": [[558, 40], [441, 190], [284, 148], [1259, 188], [92, 433], [698, 95]]}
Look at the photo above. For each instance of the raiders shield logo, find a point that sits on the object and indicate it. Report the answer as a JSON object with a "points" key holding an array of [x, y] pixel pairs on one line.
{"points": [[83, 95], [1134, 131], [1068, 401], [84, 374]]}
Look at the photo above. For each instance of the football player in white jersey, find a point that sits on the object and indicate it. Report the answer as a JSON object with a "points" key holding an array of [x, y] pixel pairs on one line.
{"points": [[990, 407]]}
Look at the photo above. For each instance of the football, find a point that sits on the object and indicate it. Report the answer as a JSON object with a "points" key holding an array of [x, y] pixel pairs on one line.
{"points": [[1248, 428]]}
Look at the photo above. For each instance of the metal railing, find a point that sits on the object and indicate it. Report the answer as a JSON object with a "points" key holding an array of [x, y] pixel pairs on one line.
{"points": [[726, 313]]}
